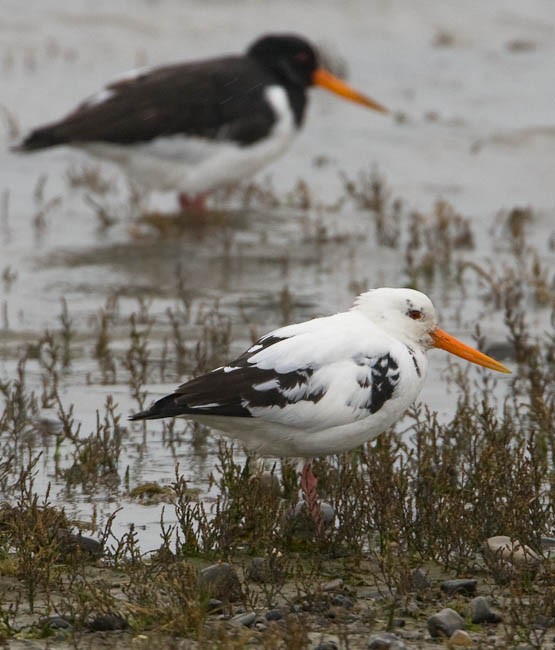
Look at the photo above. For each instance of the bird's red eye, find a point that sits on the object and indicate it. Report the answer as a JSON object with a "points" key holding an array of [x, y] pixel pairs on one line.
{"points": [[302, 57], [415, 314]]}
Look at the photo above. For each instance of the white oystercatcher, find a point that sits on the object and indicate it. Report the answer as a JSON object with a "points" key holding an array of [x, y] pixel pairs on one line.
{"points": [[196, 126], [323, 386]]}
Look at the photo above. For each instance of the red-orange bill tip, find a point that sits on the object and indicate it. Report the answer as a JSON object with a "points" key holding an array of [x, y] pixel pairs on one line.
{"points": [[447, 342], [325, 79]]}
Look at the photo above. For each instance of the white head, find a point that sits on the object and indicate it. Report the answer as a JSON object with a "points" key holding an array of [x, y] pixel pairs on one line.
{"points": [[406, 314], [410, 317]]}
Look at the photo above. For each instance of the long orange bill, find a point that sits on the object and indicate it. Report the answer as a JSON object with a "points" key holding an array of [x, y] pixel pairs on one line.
{"points": [[325, 79], [447, 342]]}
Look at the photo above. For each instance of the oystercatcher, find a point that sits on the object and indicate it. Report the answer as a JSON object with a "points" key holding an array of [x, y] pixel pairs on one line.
{"points": [[323, 386], [196, 126]]}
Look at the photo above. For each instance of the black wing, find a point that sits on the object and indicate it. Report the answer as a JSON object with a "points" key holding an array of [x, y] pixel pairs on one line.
{"points": [[219, 98], [234, 389]]}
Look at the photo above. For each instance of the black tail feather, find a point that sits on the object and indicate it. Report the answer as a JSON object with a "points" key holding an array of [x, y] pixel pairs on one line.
{"points": [[162, 408], [41, 138]]}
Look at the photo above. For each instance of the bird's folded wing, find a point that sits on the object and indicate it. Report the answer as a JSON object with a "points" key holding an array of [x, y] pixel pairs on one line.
{"points": [[205, 99]]}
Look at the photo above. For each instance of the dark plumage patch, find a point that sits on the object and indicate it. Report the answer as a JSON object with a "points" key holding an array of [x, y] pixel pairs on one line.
{"points": [[380, 379], [234, 389], [413, 357], [219, 99]]}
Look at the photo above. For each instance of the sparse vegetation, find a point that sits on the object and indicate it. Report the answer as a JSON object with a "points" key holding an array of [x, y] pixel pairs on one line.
{"points": [[425, 495]]}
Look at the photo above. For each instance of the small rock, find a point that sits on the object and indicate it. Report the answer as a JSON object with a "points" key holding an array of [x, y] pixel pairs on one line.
{"points": [[303, 524], [55, 623], [386, 641], [220, 581], [464, 586], [107, 623], [419, 580], [542, 622], [263, 570], [71, 544], [274, 615], [481, 612], [445, 623], [460, 637], [268, 482], [506, 557], [332, 585], [215, 605], [246, 619], [327, 645], [339, 600]]}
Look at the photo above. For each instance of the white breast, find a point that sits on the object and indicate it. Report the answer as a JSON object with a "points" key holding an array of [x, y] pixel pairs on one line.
{"points": [[195, 165]]}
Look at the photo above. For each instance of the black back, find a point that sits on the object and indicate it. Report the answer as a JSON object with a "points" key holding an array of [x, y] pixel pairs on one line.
{"points": [[221, 98]]}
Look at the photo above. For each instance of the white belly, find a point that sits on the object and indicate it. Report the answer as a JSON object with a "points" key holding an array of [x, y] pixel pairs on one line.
{"points": [[197, 165]]}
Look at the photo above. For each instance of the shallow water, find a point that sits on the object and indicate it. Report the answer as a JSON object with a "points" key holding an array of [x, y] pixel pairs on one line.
{"points": [[477, 130]]}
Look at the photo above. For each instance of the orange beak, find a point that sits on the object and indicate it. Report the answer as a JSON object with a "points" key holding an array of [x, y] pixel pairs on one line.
{"points": [[447, 342], [325, 79]]}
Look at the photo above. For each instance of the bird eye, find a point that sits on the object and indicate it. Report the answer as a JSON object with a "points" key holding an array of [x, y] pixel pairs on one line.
{"points": [[415, 314], [302, 57]]}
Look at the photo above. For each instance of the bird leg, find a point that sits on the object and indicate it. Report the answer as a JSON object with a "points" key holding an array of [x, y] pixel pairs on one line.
{"points": [[310, 495], [192, 203]]}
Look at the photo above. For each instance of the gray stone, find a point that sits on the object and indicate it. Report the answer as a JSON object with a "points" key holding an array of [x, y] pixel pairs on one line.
{"points": [[419, 580], [339, 600], [263, 570], [55, 623], [386, 641], [481, 612], [246, 619], [215, 605], [332, 585], [460, 637], [302, 517], [445, 622], [274, 615], [107, 623], [220, 581], [506, 558], [463, 586]]}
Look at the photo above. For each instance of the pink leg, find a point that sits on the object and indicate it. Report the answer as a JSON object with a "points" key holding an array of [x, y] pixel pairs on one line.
{"points": [[310, 494], [194, 203]]}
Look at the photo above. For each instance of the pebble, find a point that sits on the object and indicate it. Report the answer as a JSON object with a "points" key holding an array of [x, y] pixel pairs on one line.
{"points": [[445, 623], [215, 605], [70, 543], [261, 570], [327, 645], [303, 521], [463, 586], [268, 482], [460, 637], [502, 547], [332, 585], [419, 580], [55, 623], [220, 581], [481, 612], [274, 615], [246, 619], [107, 623], [342, 601], [505, 557], [386, 641]]}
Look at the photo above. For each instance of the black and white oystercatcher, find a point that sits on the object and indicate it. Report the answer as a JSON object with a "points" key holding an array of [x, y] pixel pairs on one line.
{"points": [[323, 386], [196, 126]]}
